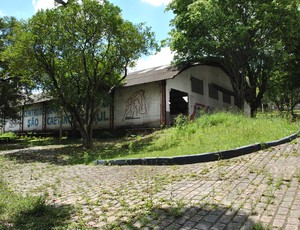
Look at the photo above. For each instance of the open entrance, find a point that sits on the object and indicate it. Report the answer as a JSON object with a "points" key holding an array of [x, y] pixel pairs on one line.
{"points": [[179, 104]]}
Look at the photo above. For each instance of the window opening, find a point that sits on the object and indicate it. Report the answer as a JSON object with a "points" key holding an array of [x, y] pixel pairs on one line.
{"points": [[213, 92], [197, 85], [226, 98], [178, 103]]}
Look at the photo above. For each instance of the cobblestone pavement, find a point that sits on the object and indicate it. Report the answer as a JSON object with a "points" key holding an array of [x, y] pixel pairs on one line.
{"points": [[262, 187]]}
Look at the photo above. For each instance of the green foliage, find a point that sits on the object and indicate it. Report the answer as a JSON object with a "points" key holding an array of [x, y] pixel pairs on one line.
{"points": [[260, 226], [209, 133], [10, 135], [78, 54], [12, 87], [181, 120], [284, 87], [248, 39], [87, 158], [219, 131]]}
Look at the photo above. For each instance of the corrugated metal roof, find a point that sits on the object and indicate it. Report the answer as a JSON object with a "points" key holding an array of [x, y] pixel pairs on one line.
{"points": [[36, 98], [158, 73]]}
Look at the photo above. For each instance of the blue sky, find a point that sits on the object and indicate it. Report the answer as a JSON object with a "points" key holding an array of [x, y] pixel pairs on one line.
{"points": [[152, 12]]}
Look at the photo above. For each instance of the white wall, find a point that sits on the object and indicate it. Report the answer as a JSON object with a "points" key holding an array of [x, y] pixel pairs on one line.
{"points": [[138, 105], [53, 117], [208, 74], [102, 120], [12, 126], [33, 117]]}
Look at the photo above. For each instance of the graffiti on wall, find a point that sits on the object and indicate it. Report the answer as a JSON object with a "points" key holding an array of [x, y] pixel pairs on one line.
{"points": [[103, 114], [13, 124], [32, 117], [200, 108], [135, 106], [55, 118], [33, 122]]}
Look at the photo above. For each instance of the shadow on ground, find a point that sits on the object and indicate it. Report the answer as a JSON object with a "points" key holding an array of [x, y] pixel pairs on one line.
{"points": [[214, 217], [58, 156], [43, 217], [74, 153]]}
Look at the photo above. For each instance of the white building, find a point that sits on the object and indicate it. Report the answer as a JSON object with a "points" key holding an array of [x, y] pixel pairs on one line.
{"points": [[150, 98]]}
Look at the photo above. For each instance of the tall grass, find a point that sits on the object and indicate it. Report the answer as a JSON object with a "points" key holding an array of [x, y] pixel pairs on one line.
{"points": [[10, 135], [209, 133], [219, 131], [28, 212]]}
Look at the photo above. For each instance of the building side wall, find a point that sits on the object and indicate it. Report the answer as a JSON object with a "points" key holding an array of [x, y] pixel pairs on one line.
{"points": [[102, 120], [53, 119], [33, 117], [40, 117], [209, 75], [138, 105], [12, 126]]}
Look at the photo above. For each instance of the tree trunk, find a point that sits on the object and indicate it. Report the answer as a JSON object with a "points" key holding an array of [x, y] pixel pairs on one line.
{"points": [[86, 134], [85, 130]]}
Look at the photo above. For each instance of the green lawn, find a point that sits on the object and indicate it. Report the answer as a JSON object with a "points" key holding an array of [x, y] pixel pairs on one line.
{"points": [[219, 131], [28, 212]]}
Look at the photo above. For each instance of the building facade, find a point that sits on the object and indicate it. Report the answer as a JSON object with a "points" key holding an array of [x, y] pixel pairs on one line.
{"points": [[150, 98]]}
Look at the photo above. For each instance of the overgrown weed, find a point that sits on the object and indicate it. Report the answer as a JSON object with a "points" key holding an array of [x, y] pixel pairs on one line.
{"points": [[29, 212], [208, 133]]}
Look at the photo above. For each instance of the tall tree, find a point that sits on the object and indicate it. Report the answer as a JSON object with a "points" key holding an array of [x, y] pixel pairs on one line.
{"points": [[12, 88], [245, 37], [284, 87], [78, 54]]}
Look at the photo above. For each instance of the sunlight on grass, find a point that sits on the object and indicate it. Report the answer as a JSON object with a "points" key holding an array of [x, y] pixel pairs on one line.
{"points": [[28, 212], [209, 133], [219, 131]]}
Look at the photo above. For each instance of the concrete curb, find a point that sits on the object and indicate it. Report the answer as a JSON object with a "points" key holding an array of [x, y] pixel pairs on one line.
{"points": [[198, 158]]}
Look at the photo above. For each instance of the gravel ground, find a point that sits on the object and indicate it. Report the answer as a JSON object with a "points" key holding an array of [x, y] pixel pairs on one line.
{"points": [[262, 187]]}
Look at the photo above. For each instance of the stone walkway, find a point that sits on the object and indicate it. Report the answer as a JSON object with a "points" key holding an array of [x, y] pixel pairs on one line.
{"points": [[259, 189]]}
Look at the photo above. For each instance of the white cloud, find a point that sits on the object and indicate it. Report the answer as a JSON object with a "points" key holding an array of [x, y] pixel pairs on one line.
{"points": [[157, 2], [42, 4], [2, 14], [164, 57]]}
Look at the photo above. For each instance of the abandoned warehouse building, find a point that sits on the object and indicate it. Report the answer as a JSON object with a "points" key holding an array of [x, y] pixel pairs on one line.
{"points": [[150, 98]]}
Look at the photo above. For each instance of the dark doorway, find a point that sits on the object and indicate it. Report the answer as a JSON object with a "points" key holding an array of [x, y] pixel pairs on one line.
{"points": [[179, 103]]}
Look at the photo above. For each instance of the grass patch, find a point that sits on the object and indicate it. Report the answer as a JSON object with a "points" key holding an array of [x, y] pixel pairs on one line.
{"points": [[8, 135], [209, 133], [19, 212], [219, 131]]}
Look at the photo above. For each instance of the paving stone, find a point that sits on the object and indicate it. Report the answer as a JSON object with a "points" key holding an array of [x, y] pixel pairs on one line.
{"points": [[203, 226], [173, 226], [152, 197], [247, 225], [189, 225], [225, 219], [182, 220], [292, 227], [218, 226], [211, 218], [239, 218], [282, 211], [266, 219], [278, 223], [293, 221]]}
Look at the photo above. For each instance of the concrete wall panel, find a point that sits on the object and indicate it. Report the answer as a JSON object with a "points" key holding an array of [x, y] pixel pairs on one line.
{"points": [[138, 105]]}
